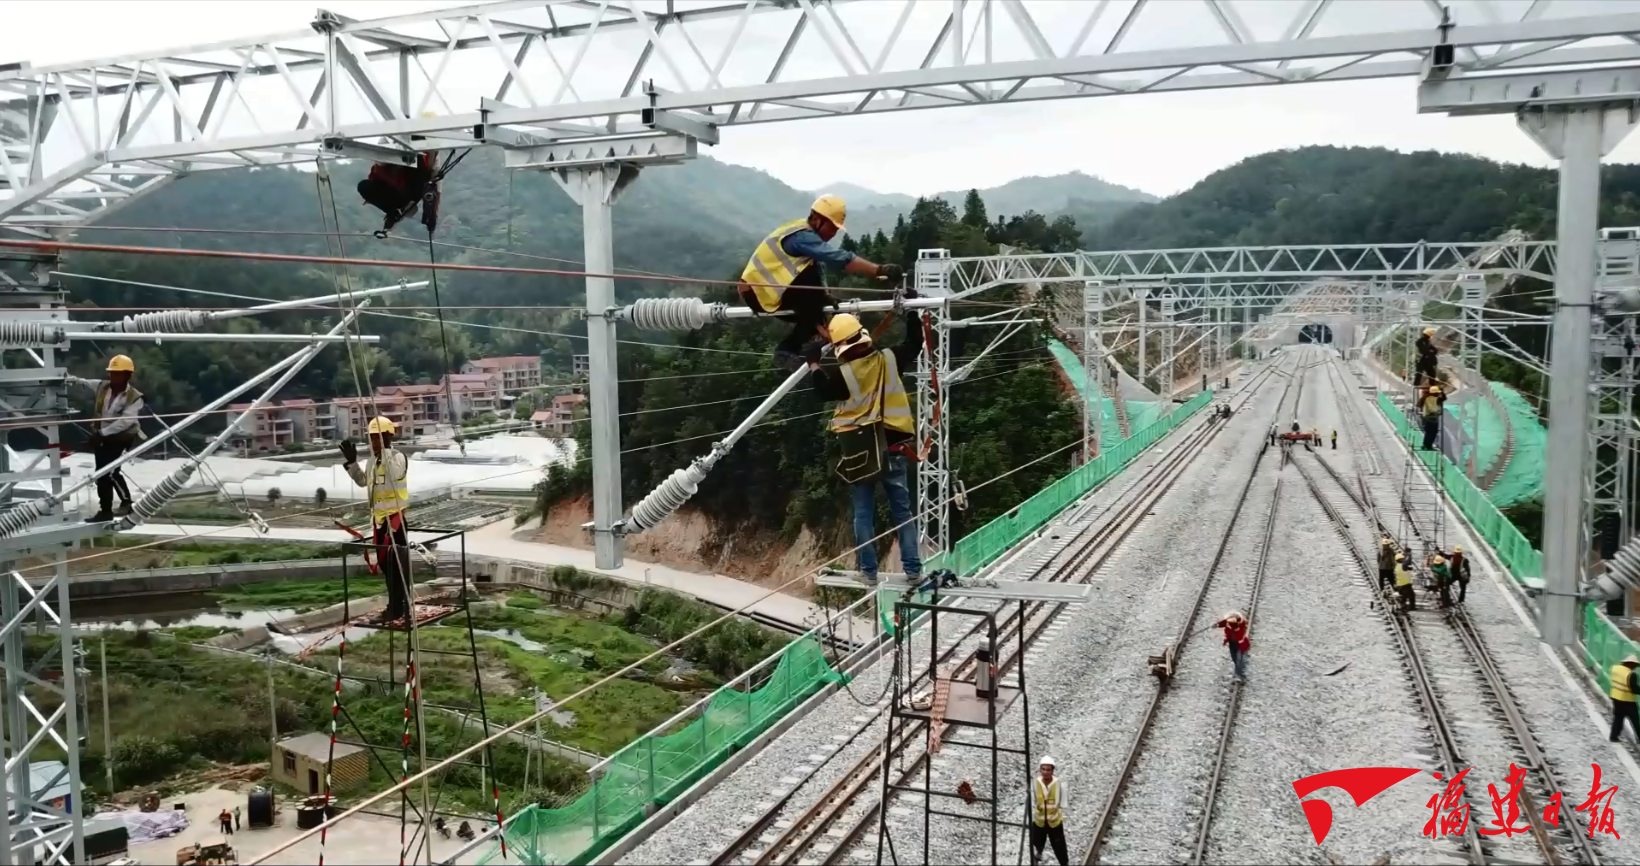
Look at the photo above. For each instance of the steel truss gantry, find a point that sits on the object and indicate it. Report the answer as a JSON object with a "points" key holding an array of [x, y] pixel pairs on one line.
{"points": [[40, 701]]}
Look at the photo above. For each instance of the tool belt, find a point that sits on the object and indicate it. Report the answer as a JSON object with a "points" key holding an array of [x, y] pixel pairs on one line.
{"points": [[864, 454]]}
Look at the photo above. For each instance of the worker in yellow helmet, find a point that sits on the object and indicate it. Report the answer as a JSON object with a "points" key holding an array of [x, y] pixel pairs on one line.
{"points": [[1403, 583], [1460, 571], [786, 273], [114, 429], [1622, 692], [386, 480], [1424, 365], [873, 421], [1431, 406]]}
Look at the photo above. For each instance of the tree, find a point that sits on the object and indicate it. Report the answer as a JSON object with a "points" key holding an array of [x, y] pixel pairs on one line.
{"points": [[273, 495], [973, 211], [319, 496], [524, 406]]}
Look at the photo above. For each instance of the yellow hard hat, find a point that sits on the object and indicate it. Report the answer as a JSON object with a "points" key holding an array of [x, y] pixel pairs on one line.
{"points": [[1439, 559], [1429, 332], [381, 424], [1384, 542], [832, 208], [121, 363], [1400, 557], [1434, 389], [845, 327]]}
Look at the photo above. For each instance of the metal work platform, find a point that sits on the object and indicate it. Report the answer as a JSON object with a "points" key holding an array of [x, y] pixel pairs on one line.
{"points": [[1002, 590]]}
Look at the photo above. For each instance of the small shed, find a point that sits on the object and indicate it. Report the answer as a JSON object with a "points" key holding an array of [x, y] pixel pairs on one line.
{"points": [[300, 761]]}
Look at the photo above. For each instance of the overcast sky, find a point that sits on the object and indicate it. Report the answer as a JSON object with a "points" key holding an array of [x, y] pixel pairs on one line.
{"points": [[1158, 143]]}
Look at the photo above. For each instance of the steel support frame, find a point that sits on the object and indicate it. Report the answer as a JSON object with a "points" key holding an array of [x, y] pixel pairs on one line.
{"points": [[1472, 313], [934, 504], [1613, 434], [1095, 368], [595, 188], [39, 682]]}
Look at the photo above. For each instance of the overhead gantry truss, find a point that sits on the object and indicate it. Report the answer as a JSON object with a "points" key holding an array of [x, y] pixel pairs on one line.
{"points": [[80, 139]]}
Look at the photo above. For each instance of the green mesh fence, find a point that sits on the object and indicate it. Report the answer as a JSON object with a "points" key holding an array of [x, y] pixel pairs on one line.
{"points": [[1110, 430], [1523, 562], [1486, 431], [652, 770], [1603, 644], [1522, 479]]}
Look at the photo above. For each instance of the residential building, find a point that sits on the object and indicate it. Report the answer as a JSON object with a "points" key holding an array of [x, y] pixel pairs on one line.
{"points": [[303, 417], [420, 407], [540, 419], [517, 372], [266, 429], [303, 762], [475, 393], [326, 424], [566, 409], [580, 365]]}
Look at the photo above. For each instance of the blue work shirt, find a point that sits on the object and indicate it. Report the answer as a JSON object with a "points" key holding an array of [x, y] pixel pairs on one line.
{"points": [[807, 243]]}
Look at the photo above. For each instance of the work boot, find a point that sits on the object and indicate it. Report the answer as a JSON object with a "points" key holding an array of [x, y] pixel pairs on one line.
{"points": [[124, 509], [103, 515]]}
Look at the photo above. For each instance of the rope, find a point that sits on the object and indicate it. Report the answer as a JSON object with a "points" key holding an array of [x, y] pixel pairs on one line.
{"points": [[444, 348], [330, 759]]}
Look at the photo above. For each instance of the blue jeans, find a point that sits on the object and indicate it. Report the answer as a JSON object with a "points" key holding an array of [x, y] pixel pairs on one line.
{"points": [[1238, 660], [899, 511]]}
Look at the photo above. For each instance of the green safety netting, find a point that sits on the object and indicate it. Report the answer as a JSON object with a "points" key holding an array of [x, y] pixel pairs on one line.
{"points": [[1522, 479], [1484, 427], [1110, 430], [1603, 644], [652, 770], [1523, 562], [1143, 413], [981, 547]]}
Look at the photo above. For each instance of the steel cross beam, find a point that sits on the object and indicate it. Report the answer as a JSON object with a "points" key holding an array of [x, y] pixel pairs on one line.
{"points": [[78, 140]]}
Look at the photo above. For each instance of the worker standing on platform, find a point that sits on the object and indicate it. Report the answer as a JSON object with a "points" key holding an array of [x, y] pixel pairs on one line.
{"points": [[1622, 691], [114, 429], [1235, 637], [387, 483], [1274, 432], [873, 420], [1335, 440], [1424, 366], [1431, 406], [1403, 583], [786, 273], [1048, 813], [1442, 574], [1460, 571], [1386, 563]]}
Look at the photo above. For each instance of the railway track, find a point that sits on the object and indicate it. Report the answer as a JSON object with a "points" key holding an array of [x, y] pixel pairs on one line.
{"points": [[1171, 654], [1500, 736], [842, 814]]}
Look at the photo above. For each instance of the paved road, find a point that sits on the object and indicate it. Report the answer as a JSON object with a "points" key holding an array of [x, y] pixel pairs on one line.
{"points": [[496, 541]]}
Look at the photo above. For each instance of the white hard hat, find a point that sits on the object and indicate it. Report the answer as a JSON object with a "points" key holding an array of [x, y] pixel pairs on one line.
{"points": [[1047, 761]]}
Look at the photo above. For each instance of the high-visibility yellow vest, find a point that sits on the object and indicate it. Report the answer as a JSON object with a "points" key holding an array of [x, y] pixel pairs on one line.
{"points": [[1403, 576], [875, 393], [388, 496], [1432, 407], [1620, 683], [770, 270], [101, 401], [1047, 804]]}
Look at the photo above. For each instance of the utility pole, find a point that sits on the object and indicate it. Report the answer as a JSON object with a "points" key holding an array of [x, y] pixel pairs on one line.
{"points": [[108, 736], [273, 715]]}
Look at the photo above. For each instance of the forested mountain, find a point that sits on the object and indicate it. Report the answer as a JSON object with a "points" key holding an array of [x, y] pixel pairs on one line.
{"points": [[1085, 198]]}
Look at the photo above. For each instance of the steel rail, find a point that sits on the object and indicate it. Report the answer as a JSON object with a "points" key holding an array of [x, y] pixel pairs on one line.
{"points": [[796, 840]]}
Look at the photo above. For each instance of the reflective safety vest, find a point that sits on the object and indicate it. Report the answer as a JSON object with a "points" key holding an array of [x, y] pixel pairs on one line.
{"points": [[1403, 576], [770, 270], [1047, 804], [875, 393], [1620, 691], [100, 402], [1432, 407], [388, 496]]}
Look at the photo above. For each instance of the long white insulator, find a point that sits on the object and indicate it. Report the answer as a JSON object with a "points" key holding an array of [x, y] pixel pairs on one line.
{"points": [[23, 516], [158, 495], [14, 333], [674, 314], [163, 321], [669, 496]]}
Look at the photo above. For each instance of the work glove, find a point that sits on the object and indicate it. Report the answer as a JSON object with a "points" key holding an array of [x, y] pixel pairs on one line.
{"points": [[891, 273], [811, 354], [910, 293], [350, 452]]}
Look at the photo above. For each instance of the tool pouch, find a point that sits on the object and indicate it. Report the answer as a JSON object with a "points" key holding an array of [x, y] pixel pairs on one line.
{"points": [[863, 454]]}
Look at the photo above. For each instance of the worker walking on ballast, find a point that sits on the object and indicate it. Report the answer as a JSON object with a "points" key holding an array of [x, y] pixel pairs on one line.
{"points": [[1048, 813], [114, 429], [1622, 691], [878, 434], [1460, 571], [386, 481], [1442, 576], [786, 273], [1235, 637]]}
